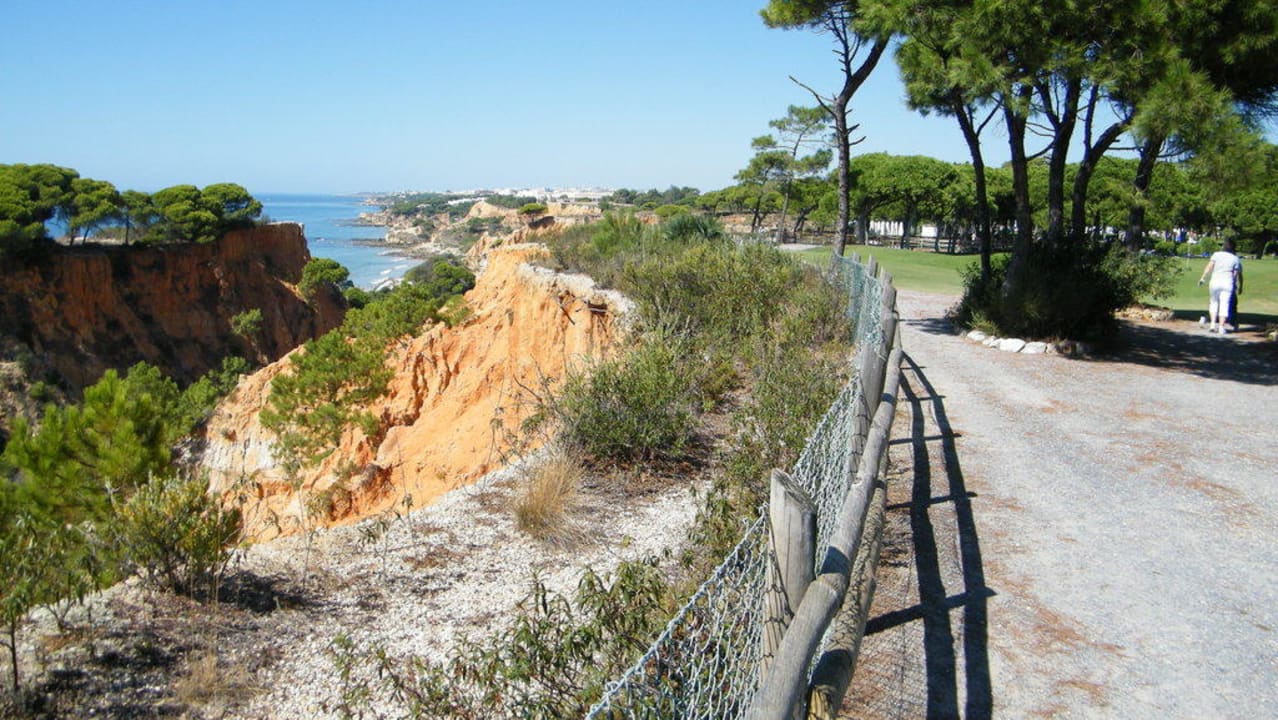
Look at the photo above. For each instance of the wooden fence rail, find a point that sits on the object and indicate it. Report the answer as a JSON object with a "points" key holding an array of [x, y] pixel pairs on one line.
{"points": [[809, 605]]}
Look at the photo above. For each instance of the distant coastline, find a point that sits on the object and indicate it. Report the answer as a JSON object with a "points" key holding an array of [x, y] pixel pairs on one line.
{"points": [[335, 231]]}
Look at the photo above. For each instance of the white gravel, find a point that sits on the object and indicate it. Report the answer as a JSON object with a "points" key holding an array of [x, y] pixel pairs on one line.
{"points": [[413, 585], [410, 585]]}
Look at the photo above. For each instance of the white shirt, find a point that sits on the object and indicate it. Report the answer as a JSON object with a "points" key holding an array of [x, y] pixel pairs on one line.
{"points": [[1224, 266]]}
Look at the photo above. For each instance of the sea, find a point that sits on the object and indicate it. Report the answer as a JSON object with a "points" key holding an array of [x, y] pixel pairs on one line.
{"points": [[332, 232]]}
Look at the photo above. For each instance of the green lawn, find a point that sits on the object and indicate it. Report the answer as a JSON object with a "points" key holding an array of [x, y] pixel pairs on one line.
{"points": [[1257, 304], [939, 273], [911, 269]]}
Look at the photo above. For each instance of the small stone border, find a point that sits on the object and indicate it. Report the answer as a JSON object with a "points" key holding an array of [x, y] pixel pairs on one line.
{"points": [[1071, 348]]}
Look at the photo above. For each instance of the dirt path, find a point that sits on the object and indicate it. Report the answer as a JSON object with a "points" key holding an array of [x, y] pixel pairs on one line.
{"points": [[1078, 538]]}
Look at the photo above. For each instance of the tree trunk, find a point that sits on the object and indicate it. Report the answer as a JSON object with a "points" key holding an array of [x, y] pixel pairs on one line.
{"points": [[1087, 168], [973, 140], [758, 212], [1149, 151], [842, 133], [1063, 131], [845, 160], [785, 209], [13, 653], [800, 218], [1016, 267], [863, 228]]}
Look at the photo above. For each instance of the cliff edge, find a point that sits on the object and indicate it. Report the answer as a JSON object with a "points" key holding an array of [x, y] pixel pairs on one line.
{"points": [[83, 310], [452, 413]]}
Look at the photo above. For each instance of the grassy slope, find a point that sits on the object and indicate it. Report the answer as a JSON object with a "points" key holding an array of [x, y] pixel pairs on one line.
{"points": [[932, 272]]}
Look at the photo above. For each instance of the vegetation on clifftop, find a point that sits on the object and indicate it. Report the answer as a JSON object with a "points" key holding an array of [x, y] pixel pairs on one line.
{"points": [[32, 196], [737, 353], [334, 376]]}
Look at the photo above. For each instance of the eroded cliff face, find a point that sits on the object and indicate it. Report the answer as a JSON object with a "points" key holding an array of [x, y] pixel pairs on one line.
{"points": [[85, 309], [451, 414]]}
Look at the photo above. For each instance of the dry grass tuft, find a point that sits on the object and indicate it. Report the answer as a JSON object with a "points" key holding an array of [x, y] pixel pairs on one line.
{"points": [[206, 681], [544, 501]]}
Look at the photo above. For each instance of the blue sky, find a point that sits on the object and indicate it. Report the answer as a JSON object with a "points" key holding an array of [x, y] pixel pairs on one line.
{"points": [[344, 97]]}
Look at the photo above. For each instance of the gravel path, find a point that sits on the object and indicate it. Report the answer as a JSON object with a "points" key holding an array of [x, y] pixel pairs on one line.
{"points": [[1078, 538]]}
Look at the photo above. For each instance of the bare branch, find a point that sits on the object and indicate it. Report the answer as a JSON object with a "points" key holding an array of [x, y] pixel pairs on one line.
{"points": [[821, 100], [993, 113], [1046, 149]]}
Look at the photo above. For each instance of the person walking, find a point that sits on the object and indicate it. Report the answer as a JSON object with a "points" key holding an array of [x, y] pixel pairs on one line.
{"points": [[1225, 270]]}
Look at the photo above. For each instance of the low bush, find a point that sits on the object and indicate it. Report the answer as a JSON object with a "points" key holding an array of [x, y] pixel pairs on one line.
{"points": [[1066, 293], [793, 377], [442, 276], [339, 373], [636, 407], [1206, 245], [686, 227], [602, 249], [720, 291], [176, 536], [321, 271], [248, 323], [197, 401]]}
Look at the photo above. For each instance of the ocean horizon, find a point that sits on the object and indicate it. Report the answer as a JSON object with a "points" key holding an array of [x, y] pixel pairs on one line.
{"points": [[330, 224]]}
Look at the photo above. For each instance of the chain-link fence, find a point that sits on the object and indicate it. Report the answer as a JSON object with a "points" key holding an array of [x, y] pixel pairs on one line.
{"points": [[710, 659]]}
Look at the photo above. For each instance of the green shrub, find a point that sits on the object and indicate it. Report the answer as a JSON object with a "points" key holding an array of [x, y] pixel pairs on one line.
{"points": [[601, 249], [718, 290], [199, 398], [510, 202], [42, 392], [685, 228], [248, 323], [357, 297], [1207, 245], [666, 212], [796, 369], [176, 536], [1067, 292], [636, 407], [338, 374], [442, 276], [321, 271], [533, 208]]}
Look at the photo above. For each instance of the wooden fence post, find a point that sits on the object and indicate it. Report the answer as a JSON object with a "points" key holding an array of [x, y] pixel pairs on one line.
{"points": [[792, 534]]}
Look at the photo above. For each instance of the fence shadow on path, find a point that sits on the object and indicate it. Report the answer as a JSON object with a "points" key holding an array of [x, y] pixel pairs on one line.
{"points": [[938, 482]]}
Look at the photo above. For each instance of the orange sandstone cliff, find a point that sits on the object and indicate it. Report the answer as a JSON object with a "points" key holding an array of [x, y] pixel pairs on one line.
{"points": [[82, 310], [452, 410]]}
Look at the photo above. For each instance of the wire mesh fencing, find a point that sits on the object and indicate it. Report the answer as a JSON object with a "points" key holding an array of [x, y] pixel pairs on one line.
{"points": [[706, 662], [710, 659]]}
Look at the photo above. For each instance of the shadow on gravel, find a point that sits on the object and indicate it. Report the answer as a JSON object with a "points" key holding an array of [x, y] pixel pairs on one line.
{"points": [[1241, 359], [1180, 347], [261, 594], [934, 326], [942, 666]]}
